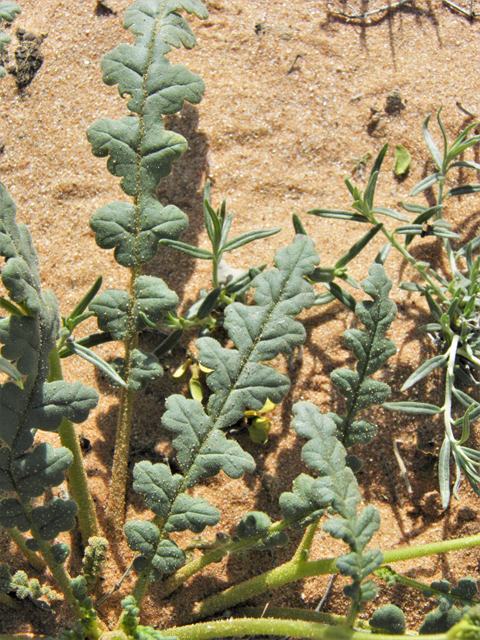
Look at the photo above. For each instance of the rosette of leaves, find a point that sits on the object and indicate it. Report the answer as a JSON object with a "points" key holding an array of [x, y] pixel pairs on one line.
{"points": [[33, 399], [238, 380]]}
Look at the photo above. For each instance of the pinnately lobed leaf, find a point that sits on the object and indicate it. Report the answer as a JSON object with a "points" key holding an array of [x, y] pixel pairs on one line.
{"points": [[326, 454], [32, 402], [138, 147], [372, 349], [152, 298], [239, 380]]}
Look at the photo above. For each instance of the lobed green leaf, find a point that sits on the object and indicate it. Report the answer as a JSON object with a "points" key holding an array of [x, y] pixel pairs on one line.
{"points": [[135, 231], [152, 298], [58, 515]]}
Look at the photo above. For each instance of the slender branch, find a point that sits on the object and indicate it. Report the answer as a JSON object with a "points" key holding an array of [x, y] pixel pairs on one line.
{"points": [[58, 571], [406, 254], [301, 554]]}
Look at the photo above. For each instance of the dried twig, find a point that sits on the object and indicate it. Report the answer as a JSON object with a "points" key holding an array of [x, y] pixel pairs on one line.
{"points": [[470, 14], [465, 111], [292, 66], [390, 477], [401, 464], [319, 606], [362, 17], [116, 587]]}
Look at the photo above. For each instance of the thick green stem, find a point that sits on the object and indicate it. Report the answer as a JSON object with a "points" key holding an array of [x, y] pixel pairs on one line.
{"points": [[288, 572], [286, 613], [77, 475], [432, 548], [118, 485], [294, 570], [272, 626]]}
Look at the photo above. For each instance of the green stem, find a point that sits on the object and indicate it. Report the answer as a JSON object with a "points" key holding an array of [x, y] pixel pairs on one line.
{"points": [[352, 613], [294, 570], [420, 586], [118, 485], [172, 583], [285, 613], [288, 572], [405, 253], [432, 548], [271, 626], [215, 262], [76, 474], [301, 554], [58, 570], [34, 559]]}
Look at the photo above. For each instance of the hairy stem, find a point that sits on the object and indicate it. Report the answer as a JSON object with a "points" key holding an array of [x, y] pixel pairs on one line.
{"points": [[58, 570], [118, 485], [76, 474], [288, 572], [272, 626], [301, 554], [294, 570]]}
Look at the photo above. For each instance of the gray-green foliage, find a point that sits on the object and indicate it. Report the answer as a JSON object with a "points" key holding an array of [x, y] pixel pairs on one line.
{"points": [[338, 486], [452, 297], [23, 587], [238, 380], [389, 618], [372, 349], [446, 615], [141, 151], [33, 396], [29, 400]]}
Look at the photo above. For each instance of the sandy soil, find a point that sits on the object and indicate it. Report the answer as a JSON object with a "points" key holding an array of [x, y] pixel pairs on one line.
{"points": [[285, 119]]}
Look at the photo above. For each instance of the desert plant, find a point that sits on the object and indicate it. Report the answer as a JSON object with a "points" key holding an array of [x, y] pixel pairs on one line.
{"points": [[35, 398], [452, 297]]}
